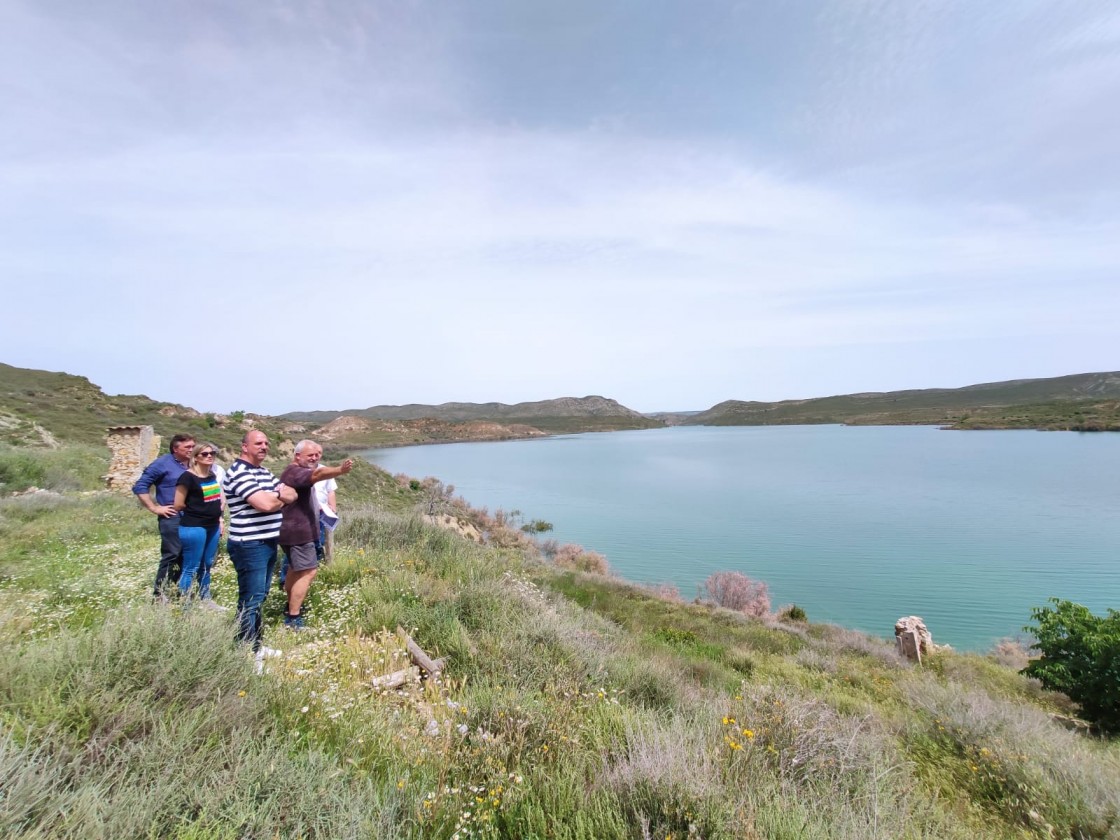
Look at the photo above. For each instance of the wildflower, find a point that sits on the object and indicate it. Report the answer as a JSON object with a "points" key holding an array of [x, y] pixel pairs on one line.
{"points": [[749, 733], [400, 784], [241, 693]]}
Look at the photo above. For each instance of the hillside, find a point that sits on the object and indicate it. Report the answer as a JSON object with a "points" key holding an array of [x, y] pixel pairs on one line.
{"points": [[41, 408], [563, 415], [1088, 401], [572, 704]]}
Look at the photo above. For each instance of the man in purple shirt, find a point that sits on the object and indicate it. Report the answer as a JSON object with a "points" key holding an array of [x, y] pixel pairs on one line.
{"points": [[300, 527], [163, 474]]}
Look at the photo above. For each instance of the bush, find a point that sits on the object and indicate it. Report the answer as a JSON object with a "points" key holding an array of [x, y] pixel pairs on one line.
{"points": [[1080, 657], [736, 591], [793, 613], [572, 556], [73, 467]]}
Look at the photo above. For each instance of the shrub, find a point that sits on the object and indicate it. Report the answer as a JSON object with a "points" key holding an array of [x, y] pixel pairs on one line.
{"points": [[736, 591], [793, 613], [1010, 653], [536, 526], [572, 556], [1080, 657]]}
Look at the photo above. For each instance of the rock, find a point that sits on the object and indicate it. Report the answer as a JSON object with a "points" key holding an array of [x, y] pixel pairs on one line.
{"points": [[913, 639], [459, 526]]}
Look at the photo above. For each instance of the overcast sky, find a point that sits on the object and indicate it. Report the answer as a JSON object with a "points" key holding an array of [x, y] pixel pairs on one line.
{"points": [[278, 206]]}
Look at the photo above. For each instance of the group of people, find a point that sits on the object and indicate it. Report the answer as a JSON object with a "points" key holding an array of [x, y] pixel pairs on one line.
{"points": [[295, 512]]}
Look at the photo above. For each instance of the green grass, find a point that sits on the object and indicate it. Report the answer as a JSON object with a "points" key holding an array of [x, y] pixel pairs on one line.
{"points": [[572, 706]]}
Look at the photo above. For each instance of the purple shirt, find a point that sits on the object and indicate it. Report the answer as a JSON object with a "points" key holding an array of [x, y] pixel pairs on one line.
{"points": [[301, 525]]}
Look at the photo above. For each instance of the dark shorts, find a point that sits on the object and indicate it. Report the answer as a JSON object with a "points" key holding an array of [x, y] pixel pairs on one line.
{"points": [[302, 558]]}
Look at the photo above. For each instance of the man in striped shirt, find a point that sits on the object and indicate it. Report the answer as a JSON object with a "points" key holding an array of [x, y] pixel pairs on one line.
{"points": [[256, 502]]}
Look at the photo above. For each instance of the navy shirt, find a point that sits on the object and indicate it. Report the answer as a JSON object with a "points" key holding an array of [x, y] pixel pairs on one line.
{"points": [[164, 473]]}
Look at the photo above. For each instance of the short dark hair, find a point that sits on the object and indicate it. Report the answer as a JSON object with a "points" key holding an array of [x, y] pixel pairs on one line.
{"points": [[175, 441]]}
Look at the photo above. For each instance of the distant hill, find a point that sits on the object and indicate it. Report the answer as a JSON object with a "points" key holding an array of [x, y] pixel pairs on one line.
{"points": [[1085, 401], [563, 415]]}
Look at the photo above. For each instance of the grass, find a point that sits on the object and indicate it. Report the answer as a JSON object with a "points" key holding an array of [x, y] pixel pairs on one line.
{"points": [[572, 705]]}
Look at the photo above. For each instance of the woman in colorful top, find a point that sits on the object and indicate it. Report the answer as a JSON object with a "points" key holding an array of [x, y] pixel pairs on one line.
{"points": [[199, 497]]}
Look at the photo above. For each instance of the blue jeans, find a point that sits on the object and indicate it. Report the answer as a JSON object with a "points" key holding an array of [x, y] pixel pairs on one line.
{"points": [[199, 547], [254, 562]]}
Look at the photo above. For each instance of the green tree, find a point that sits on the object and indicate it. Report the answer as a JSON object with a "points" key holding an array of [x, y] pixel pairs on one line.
{"points": [[1080, 657]]}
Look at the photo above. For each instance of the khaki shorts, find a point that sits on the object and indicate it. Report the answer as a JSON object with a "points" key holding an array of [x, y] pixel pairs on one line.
{"points": [[301, 558]]}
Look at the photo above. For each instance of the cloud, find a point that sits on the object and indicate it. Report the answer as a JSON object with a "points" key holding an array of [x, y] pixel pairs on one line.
{"points": [[511, 203]]}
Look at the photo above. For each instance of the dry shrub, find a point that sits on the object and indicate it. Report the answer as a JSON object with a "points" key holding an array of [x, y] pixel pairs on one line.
{"points": [[664, 591], [840, 639], [736, 591], [1024, 762], [572, 556], [805, 742], [1011, 653]]}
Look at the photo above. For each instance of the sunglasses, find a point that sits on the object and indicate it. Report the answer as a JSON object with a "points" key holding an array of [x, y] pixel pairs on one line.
{"points": [[209, 453]]}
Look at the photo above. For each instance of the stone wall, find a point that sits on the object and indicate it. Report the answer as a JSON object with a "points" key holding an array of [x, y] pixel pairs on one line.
{"points": [[131, 449]]}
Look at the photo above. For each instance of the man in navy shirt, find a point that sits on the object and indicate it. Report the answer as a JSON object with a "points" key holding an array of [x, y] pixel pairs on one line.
{"points": [[163, 474]]}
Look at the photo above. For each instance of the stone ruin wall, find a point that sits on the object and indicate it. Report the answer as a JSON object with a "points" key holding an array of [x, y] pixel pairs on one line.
{"points": [[131, 449]]}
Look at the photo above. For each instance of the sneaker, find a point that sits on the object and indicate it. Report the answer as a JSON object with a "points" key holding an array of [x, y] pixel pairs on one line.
{"points": [[211, 604], [293, 622], [268, 653]]}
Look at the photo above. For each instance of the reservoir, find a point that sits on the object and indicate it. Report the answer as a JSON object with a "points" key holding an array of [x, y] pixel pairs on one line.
{"points": [[856, 525]]}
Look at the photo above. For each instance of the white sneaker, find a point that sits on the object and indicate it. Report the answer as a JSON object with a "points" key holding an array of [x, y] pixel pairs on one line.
{"points": [[211, 604], [263, 654]]}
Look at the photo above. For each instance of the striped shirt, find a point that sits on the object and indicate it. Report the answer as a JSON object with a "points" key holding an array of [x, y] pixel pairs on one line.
{"points": [[240, 482]]}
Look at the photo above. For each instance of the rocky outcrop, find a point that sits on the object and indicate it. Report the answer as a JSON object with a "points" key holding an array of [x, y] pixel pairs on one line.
{"points": [[347, 424], [459, 526], [914, 639]]}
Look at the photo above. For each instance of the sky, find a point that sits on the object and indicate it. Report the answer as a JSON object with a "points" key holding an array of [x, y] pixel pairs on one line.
{"points": [[284, 206]]}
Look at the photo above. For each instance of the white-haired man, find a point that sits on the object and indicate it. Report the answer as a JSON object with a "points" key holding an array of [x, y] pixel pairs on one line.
{"points": [[299, 531]]}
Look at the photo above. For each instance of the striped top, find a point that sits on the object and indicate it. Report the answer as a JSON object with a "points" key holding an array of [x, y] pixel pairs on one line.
{"points": [[240, 482]]}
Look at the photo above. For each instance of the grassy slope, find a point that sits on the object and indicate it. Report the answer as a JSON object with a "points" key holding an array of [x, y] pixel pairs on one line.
{"points": [[74, 410], [573, 706]]}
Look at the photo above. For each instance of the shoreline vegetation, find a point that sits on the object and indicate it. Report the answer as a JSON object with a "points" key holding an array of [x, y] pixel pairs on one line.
{"points": [[571, 704]]}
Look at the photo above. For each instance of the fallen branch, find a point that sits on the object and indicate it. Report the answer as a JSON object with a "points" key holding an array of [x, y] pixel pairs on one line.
{"points": [[418, 657], [396, 679]]}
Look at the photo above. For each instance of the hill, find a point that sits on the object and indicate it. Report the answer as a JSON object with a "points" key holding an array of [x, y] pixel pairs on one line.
{"points": [[1087, 401], [39, 407], [42, 408], [557, 416], [571, 704]]}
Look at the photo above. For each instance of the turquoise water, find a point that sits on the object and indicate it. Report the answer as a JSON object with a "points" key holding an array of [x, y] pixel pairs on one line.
{"points": [[857, 525]]}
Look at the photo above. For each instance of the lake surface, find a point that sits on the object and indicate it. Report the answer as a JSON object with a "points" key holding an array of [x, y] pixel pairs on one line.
{"points": [[857, 525]]}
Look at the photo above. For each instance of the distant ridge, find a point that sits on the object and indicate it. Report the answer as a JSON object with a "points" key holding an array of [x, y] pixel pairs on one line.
{"points": [[563, 414], [1086, 401]]}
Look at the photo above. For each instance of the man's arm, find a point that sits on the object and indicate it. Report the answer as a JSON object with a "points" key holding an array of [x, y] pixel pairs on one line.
{"points": [[323, 473], [142, 489], [270, 501]]}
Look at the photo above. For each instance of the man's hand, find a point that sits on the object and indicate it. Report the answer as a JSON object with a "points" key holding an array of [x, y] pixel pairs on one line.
{"points": [[287, 494], [346, 465], [164, 511]]}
